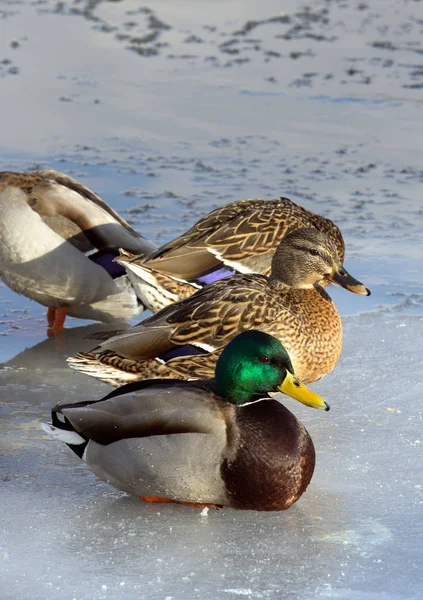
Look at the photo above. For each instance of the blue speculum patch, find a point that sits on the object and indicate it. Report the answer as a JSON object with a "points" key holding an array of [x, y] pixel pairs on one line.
{"points": [[105, 259], [215, 275], [188, 350]]}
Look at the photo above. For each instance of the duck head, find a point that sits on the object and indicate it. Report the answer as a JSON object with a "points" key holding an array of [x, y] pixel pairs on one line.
{"points": [[255, 364], [308, 256]]}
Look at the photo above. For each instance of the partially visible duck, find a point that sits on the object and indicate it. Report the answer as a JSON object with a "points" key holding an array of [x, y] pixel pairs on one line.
{"points": [[221, 442], [240, 237], [186, 338], [58, 241]]}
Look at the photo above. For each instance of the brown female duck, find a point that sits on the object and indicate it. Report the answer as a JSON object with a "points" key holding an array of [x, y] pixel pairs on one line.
{"points": [[185, 339], [240, 237]]}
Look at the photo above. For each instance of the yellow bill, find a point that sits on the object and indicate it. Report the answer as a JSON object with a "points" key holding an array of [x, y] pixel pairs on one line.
{"points": [[293, 387]]}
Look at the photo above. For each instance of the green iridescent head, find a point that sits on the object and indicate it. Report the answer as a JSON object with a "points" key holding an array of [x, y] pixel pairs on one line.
{"points": [[254, 364]]}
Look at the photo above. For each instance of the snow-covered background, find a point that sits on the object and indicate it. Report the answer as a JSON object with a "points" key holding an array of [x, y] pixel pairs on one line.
{"points": [[166, 110]]}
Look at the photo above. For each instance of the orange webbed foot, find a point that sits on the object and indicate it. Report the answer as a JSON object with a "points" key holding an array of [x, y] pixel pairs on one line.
{"points": [[56, 319], [51, 315], [156, 499]]}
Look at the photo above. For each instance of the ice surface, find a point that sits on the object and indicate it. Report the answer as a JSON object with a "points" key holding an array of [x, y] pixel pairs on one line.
{"points": [[356, 533], [333, 122]]}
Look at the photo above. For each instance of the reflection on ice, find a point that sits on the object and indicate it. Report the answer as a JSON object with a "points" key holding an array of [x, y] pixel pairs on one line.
{"points": [[367, 535], [52, 351]]}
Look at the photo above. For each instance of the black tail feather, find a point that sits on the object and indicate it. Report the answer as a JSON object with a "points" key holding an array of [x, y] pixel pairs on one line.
{"points": [[66, 425]]}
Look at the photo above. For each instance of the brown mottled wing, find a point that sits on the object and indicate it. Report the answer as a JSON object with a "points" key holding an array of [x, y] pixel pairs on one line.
{"points": [[259, 230], [194, 367], [213, 316], [220, 311], [236, 232], [210, 223], [147, 408]]}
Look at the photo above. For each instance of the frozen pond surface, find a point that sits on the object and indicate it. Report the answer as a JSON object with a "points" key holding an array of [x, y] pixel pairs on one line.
{"points": [[167, 110], [356, 533]]}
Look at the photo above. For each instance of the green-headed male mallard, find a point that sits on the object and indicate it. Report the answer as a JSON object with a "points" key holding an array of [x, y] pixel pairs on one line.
{"points": [[57, 245], [212, 442], [185, 339], [240, 237]]}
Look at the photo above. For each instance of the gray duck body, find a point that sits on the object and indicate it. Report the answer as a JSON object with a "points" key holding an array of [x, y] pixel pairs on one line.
{"points": [[180, 440], [49, 226]]}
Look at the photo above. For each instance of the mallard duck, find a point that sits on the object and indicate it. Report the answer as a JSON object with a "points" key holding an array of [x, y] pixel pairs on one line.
{"points": [[185, 339], [240, 237], [57, 245], [212, 442]]}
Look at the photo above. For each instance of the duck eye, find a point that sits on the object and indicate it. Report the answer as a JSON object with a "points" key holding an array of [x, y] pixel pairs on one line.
{"points": [[264, 359], [314, 252]]}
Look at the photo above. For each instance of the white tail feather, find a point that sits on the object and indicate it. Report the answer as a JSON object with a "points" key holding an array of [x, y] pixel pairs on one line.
{"points": [[63, 435], [239, 267]]}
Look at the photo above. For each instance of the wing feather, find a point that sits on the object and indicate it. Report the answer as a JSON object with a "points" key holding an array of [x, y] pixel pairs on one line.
{"points": [[213, 316], [149, 408], [236, 233]]}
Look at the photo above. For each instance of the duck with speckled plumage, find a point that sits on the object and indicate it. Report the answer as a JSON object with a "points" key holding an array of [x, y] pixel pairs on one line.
{"points": [[240, 237], [186, 338]]}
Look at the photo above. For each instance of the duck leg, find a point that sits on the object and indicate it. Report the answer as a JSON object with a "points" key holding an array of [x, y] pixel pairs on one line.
{"points": [[51, 312], [155, 499], [56, 319]]}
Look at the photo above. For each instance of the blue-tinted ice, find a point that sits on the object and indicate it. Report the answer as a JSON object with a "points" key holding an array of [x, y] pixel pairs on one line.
{"points": [[167, 112]]}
